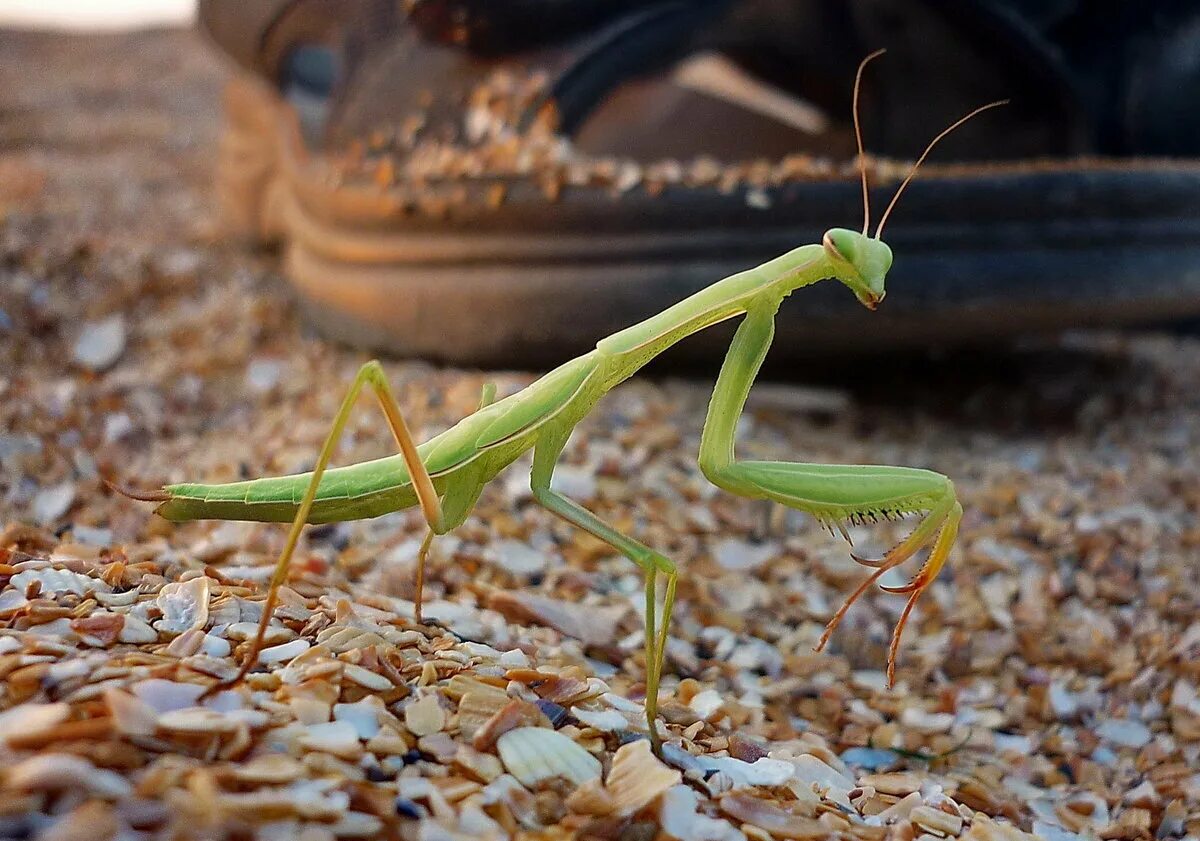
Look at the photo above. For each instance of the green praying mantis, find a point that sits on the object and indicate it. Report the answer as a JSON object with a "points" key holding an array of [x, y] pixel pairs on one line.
{"points": [[446, 474]]}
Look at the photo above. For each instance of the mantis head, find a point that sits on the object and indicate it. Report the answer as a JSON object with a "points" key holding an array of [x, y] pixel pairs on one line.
{"points": [[862, 263]]}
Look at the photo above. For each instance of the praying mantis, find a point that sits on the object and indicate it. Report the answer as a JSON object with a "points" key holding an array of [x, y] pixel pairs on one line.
{"points": [[445, 475]]}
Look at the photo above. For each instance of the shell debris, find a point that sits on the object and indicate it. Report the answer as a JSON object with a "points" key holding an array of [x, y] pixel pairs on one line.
{"points": [[1047, 682], [184, 604], [425, 716], [637, 778], [535, 754]]}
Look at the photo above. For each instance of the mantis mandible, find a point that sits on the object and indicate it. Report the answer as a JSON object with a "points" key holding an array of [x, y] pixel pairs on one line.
{"points": [[446, 474]]}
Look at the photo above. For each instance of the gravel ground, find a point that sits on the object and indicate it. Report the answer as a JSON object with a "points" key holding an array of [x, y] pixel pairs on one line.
{"points": [[1047, 685]]}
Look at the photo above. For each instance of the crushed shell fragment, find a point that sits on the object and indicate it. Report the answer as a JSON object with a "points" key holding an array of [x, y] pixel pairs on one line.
{"points": [[637, 777], [533, 754]]}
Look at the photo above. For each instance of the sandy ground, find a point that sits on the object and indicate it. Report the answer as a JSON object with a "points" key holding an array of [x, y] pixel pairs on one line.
{"points": [[1048, 682]]}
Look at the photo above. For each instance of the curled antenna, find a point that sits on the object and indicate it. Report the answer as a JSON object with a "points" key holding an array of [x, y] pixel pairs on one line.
{"points": [[912, 172], [862, 154]]}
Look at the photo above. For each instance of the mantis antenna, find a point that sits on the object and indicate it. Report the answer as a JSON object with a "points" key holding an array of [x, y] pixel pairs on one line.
{"points": [[912, 172], [862, 154]]}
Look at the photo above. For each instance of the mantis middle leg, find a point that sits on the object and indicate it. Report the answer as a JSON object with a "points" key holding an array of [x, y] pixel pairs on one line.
{"points": [[833, 493], [545, 454]]}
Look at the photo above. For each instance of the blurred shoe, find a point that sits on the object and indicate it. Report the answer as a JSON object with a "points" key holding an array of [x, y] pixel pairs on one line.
{"points": [[505, 183]]}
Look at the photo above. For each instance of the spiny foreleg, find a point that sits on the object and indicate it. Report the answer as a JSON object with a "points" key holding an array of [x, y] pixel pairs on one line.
{"points": [[835, 494], [939, 525]]}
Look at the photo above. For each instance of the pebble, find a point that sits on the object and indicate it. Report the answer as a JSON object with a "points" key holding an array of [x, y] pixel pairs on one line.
{"points": [[61, 771], [515, 659], [424, 716], [90, 536], [366, 678], [606, 721], [900, 810], [873, 680], [184, 604], [870, 759], [197, 720], [55, 582], [517, 558], [577, 483], [179, 263], [32, 719], [926, 722], [283, 653], [702, 518], [363, 716], [52, 503], [707, 704], [337, 737], [136, 631], [116, 426], [12, 602], [272, 768], [14, 446], [678, 818], [742, 555], [1144, 795], [214, 646], [592, 626], [1008, 743], [243, 631], [893, 783], [762, 772], [131, 715], [167, 695], [812, 771], [1053, 832], [262, 375], [1063, 702], [935, 820], [356, 825], [1124, 732], [100, 344]]}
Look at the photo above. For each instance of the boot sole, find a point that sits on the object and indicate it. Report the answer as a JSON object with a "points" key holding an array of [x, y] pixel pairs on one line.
{"points": [[981, 253]]}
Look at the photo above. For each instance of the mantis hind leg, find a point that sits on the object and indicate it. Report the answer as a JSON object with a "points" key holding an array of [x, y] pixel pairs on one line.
{"points": [[653, 563], [835, 494], [371, 374]]}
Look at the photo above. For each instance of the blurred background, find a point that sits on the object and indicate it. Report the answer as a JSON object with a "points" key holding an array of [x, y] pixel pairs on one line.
{"points": [[82, 15], [205, 231], [500, 185]]}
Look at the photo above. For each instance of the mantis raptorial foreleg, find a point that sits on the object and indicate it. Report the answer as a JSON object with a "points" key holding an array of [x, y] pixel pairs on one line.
{"points": [[832, 493], [545, 454], [371, 374]]}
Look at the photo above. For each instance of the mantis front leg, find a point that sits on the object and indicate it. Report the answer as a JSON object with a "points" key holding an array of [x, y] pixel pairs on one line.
{"points": [[832, 493], [545, 455]]}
